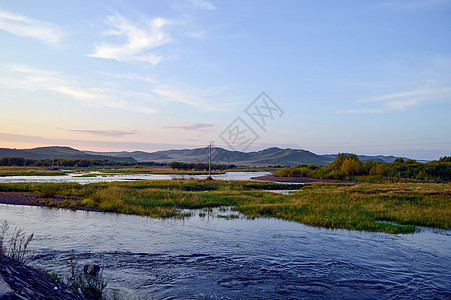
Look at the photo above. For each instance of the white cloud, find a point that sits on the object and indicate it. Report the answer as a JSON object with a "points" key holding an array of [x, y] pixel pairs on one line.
{"points": [[184, 5], [413, 5], [429, 93], [110, 133], [202, 4], [404, 100], [28, 78], [139, 40], [364, 110], [27, 27], [186, 126], [129, 76], [202, 99]]}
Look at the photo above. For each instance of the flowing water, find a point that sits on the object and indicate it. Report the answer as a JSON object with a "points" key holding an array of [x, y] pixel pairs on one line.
{"points": [[211, 257]]}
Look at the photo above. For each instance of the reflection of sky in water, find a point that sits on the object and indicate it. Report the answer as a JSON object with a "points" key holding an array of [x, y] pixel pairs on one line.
{"points": [[212, 257], [74, 177]]}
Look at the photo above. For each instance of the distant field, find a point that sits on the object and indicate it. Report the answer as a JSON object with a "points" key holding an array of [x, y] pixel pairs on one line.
{"points": [[41, 171], [27, 171], [385, 207]]}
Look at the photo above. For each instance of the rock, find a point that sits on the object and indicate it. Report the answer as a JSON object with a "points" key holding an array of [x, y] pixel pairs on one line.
{"points": [[24, 282], [6, 292], [92, 270]]}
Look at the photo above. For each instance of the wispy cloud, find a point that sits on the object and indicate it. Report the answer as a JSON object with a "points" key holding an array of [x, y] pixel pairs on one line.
{"points": [[129, 76], [140, 40], [110, 133], [363, 110], [186, 126], [202, 4], [184, 5], [28, 78], [28, 27], [403, 100], [196, 98], [412, 5], [9, 140], [303, 132]]}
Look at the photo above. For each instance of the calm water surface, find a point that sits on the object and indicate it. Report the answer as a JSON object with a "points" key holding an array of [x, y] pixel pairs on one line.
{"points": [[214, 258], [77, 177]]}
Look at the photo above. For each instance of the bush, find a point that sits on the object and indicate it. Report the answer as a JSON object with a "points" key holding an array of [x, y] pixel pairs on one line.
{"points": [[49, 190]]}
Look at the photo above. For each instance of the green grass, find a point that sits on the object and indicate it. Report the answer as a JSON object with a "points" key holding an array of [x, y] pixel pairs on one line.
{"points": [[384, 207], [362, 206]]}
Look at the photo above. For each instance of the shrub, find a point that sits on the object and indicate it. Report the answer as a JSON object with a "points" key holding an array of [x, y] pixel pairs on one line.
{"points": [[49, 190]]}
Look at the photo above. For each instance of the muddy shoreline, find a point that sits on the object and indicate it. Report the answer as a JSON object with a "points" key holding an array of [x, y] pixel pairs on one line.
{"points": [[36, 199]]}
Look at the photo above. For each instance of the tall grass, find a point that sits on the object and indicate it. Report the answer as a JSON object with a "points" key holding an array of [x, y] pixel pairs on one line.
{"points": [[15, 245], [363, 206]]}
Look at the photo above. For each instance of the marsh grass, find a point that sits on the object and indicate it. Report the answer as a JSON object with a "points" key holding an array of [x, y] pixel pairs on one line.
{"points": [[28, 171], [385, 207], [362, 206]]}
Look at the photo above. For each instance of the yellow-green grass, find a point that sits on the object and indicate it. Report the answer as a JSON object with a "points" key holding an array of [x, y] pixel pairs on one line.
{"points": [[385, 207], [27, 171], [364, 206]]}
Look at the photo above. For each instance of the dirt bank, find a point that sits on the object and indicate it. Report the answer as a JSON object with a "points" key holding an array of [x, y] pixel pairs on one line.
{"points": [[36, 199]]}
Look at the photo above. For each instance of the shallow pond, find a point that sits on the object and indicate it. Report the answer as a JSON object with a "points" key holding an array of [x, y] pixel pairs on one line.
{"points": [[96, 177], [212, 257]]}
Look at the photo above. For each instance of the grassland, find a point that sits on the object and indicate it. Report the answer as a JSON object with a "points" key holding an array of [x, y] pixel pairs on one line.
{"points": [[384, 207], [27, 171]]}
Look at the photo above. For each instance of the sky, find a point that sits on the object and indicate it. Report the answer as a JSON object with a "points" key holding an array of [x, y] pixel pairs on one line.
{"points": [[365, 77]]}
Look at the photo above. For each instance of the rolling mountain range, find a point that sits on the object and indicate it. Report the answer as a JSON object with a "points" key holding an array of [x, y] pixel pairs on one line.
{"points": [[267, 157], [58, 152]]}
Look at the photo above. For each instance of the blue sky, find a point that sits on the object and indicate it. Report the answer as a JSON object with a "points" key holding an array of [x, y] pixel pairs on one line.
{"points": [[367, 77]]}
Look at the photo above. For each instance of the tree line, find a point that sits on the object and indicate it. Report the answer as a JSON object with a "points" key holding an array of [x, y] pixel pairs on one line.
{"points": [[199, 166], [73, 162], [350, 167]]}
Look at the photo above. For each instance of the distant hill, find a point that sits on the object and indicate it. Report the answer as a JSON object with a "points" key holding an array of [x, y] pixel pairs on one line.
{"points": [[59, 152], [267, 157]]}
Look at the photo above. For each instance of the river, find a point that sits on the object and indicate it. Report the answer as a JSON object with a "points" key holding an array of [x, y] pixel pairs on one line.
{"points": [[210, 257], [91, 177]]}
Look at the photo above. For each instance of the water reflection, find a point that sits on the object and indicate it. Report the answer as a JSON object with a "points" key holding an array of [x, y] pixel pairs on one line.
{"points": [[213, 257], [96, 177]]}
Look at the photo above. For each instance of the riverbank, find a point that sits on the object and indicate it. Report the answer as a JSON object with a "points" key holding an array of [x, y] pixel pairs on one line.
{"points": [[36, 199], [385, 207], [19, 281]]}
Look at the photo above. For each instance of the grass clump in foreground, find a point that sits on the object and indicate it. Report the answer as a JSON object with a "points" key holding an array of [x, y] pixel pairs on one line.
{"points": [[384, 207], [15, 245]]}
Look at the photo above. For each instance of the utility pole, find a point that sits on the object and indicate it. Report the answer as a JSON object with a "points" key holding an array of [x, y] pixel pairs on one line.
{"points": [[209, 163], [53, 158]]}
